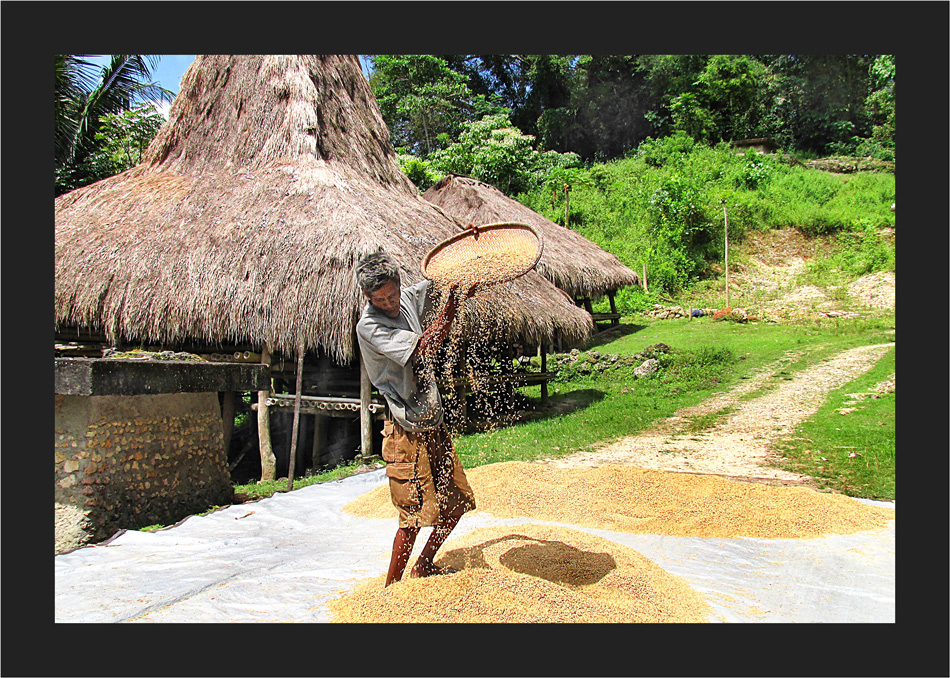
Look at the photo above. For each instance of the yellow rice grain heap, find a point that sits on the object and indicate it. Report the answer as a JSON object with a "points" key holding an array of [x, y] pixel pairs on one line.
{"points": [[644, 501], [530, 574]]}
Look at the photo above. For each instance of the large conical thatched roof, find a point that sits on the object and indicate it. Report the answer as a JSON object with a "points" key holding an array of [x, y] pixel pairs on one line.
{"points": [[569, 260], [245, 220]]}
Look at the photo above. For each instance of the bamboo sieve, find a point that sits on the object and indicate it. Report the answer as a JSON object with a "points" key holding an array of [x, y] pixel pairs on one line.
{"points": [[487, 254]]}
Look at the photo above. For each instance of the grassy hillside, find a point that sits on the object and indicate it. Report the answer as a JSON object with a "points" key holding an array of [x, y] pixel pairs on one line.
{"points": [[666, 207]]}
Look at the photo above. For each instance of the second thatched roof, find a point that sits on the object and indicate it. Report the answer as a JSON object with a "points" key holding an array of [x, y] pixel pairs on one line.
{"points": [[246, 219], [569, 260]]}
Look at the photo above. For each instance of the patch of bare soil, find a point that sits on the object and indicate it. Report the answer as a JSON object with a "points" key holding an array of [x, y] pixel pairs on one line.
{"points": [[766, 273], [875, 290], [740, 445]]}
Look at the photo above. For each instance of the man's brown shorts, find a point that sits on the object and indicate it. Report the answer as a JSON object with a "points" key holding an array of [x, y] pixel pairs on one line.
{"points": [[426, 481]]}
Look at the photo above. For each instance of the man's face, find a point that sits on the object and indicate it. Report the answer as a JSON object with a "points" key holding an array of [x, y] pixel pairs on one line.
{"points": [[386, 299]]}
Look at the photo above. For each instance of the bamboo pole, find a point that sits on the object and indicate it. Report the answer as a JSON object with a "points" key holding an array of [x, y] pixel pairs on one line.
{"points": [[645, 288], [292, 454], [567, 206], [366, 421], [726, 216], [268, 461], [543, 354]]}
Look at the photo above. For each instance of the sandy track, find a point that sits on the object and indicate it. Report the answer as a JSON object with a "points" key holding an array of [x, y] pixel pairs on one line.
{"points": [[741, 444]]}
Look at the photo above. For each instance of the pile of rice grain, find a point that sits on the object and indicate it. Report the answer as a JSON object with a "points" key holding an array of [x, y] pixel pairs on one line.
{"points": [[646, 501], [530, 574]]}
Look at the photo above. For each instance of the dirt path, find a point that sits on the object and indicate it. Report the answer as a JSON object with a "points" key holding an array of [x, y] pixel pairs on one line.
{"points": [[740, 445]]}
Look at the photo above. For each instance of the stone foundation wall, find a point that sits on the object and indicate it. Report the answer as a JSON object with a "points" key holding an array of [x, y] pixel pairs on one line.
{"points": [[125, 462]]}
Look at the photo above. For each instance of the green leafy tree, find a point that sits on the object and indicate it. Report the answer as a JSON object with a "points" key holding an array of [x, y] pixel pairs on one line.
{"points": [[75, 77], [547, 108], [821, 100], [419, 171], [124, 136], [81, 100], [726, 101], [609, 103], [423, 101], [494, 151], [880, 105]]}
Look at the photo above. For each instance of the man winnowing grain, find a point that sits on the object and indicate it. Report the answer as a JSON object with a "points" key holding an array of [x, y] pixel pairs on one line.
{"points": [[426, 481]]}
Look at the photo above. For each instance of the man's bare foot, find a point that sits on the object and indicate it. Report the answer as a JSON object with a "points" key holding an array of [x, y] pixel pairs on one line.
{"points": [[423, 570]]}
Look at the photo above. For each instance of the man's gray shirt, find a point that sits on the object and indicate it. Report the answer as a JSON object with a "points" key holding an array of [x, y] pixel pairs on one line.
{"points": [[386, 345]]}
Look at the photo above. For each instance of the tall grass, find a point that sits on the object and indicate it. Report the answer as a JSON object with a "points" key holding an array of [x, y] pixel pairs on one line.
{"points": [[663, 206]]}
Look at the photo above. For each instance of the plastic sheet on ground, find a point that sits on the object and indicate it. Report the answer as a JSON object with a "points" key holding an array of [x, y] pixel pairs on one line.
{"points": [[281, 559]]}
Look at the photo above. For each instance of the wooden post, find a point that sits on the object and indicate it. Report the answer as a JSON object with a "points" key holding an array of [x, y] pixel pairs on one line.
{"points": [[268, 461], [613, 308], [366, 417], [544, 369], [645, 288], [726, 216], [292, 453], [567, 205]]}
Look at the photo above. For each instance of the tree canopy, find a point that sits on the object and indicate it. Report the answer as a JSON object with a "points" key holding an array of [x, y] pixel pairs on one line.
{"points": [[604, 106]]}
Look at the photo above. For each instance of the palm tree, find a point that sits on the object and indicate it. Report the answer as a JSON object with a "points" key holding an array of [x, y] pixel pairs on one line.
{"points": [[82, 96]]}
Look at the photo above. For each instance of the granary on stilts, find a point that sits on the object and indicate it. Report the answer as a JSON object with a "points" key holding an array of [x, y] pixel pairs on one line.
{"points": [[569, 260], [235, 243]]}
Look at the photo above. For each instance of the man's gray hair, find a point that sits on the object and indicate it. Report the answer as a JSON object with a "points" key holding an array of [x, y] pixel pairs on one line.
{"points": [[375, 270]]}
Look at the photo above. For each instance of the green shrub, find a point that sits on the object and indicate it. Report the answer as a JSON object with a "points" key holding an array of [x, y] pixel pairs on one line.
{"points": [[658, 152], [418, 171], [629, 301], [699, 368], [755, 173], [859, 253]]}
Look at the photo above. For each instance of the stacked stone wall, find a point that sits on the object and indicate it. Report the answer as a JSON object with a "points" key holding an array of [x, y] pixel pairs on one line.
{"points": [[125, 462]]}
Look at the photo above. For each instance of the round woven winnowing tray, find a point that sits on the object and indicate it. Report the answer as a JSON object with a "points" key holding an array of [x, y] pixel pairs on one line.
{"points": [[487, 254]]}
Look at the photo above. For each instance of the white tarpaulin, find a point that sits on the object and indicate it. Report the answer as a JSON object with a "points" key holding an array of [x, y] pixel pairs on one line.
{"points": [[281, 559]]}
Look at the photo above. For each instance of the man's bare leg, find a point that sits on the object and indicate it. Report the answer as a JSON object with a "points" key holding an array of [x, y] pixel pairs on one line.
{"points": [[402, 548], [424, 566]]}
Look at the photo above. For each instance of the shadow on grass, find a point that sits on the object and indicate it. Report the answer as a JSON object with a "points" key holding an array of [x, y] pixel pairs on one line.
{"points": [[613, 334], [528, 410], [559, 404]]}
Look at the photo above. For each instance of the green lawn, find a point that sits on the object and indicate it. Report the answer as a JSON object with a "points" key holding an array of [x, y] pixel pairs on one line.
{"points": [[848, 445], [706, 357]]}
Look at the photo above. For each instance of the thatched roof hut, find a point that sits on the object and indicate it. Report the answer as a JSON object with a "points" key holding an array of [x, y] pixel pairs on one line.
{"points": [[569, 260], [245, 220]]}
